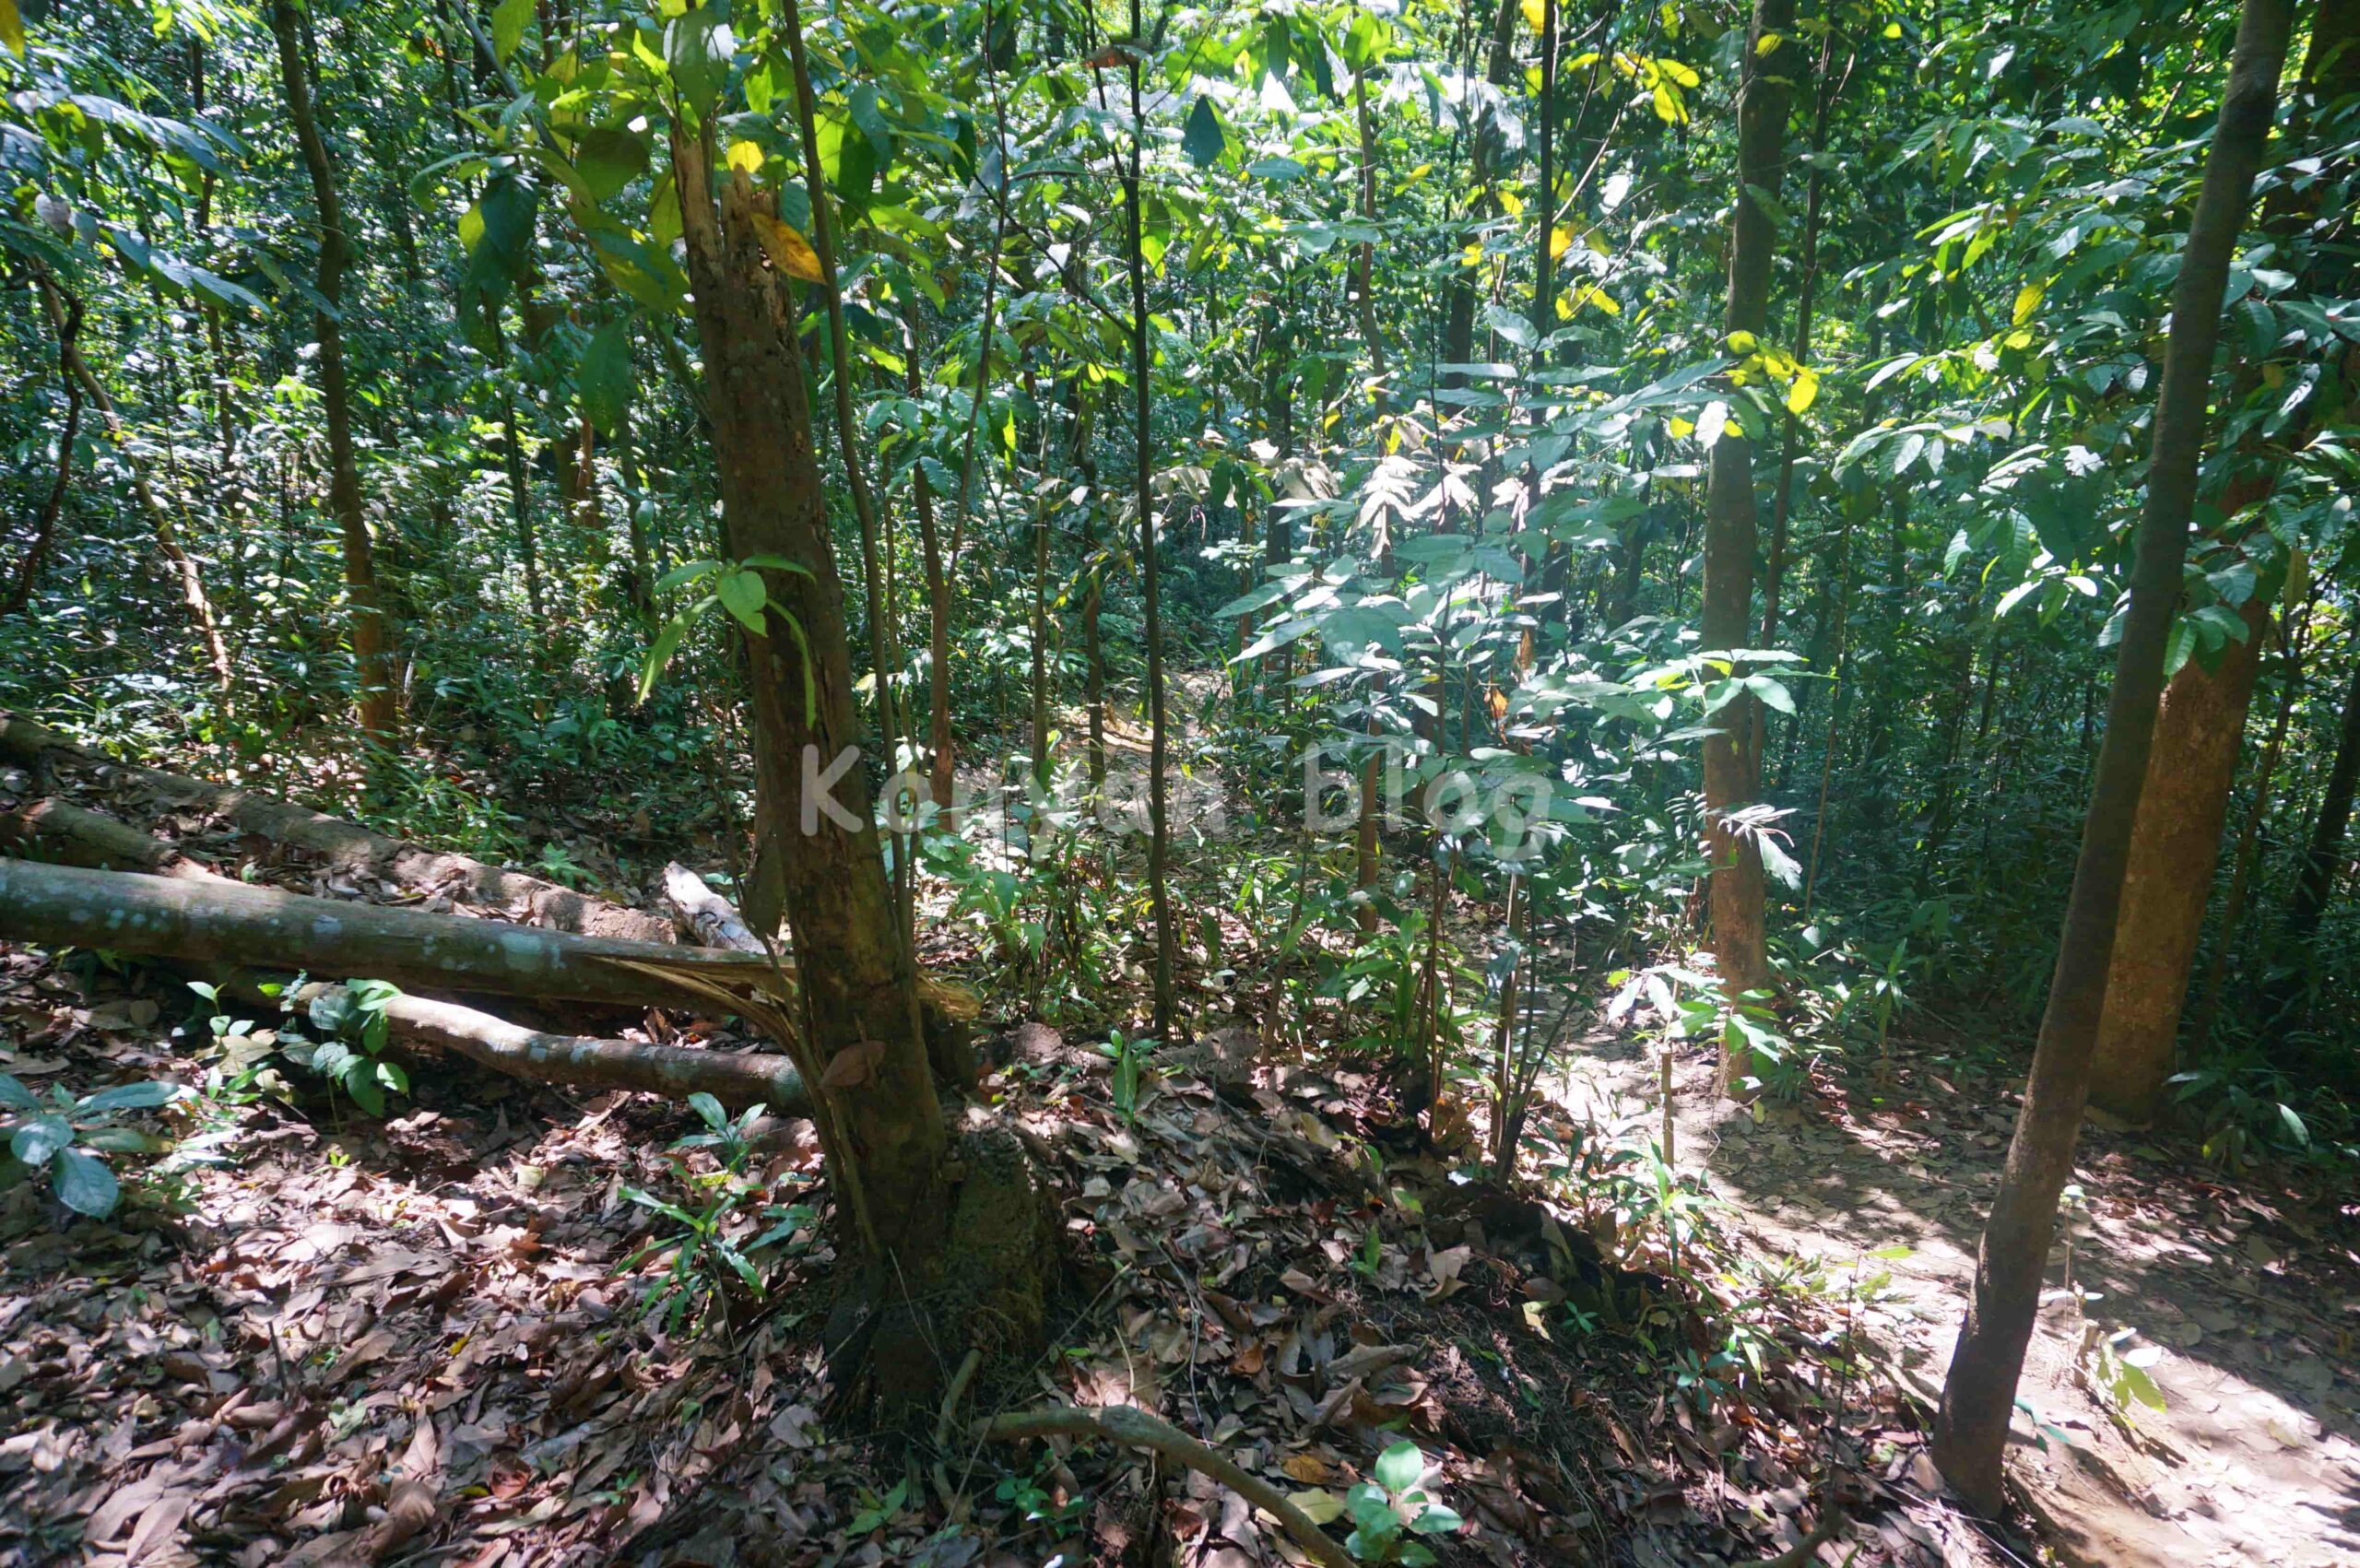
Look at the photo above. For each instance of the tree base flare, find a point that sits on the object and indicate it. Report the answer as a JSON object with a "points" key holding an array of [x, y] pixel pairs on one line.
{"points": [[898, 1333]]}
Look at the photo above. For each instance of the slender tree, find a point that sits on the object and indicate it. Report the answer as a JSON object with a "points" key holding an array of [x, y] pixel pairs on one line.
{"points": [[370, 639], [1773, 60], [1971, 1431]]}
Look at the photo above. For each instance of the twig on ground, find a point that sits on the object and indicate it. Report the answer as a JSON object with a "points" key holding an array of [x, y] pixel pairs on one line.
{"points": [[1135, 1428]]}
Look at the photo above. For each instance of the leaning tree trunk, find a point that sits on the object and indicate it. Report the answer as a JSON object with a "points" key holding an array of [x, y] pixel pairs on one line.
{"points": [[1738, 940], [2174, 844], [1971, 1431], [944, 1254], [370, 658]]}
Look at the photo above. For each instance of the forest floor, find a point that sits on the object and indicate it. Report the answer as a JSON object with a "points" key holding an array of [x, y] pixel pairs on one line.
{"points": [[427, 1339], [2245, 1294]]}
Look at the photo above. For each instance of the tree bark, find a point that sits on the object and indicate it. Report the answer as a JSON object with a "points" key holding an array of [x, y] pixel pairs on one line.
{"points": [[739, 1080], [370, 639], [1971, 1431], [205, 921], [928, 1269], [2233, 907], [2174, 844], [1159, 829], [1739, 944], [942, 784], [45, 525]]}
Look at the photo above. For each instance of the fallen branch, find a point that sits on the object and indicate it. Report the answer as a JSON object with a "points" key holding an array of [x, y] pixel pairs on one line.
{"points": [[574, 1062], [226, 922], [60, 831], [704, 914], [521, 898], [1133, 1427]]}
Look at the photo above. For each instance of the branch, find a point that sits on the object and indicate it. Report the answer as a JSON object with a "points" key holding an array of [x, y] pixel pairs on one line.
{"points": [[1130, 1425]]}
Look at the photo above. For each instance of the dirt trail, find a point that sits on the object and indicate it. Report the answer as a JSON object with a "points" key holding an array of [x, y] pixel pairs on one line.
{"points": [[2249, 1300]]}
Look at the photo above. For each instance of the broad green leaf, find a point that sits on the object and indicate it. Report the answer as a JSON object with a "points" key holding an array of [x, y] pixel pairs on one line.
{"points": [[697, 50], [39, 1139], [667, 643], [1204, 139], [84, 1183], [131, 1097], [608, 158], [743, 596], [603, 376], [2028, 299], [15, 1096], [1398, 1468], [508, 19]]}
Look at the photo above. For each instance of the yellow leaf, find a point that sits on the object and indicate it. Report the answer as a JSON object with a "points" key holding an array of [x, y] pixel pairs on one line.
{"points": [[1512, 203], [1804, 391], [1319, 1507], [2028, 299], [1591, 294], [1893, 30], [1561, 240], [2020, 338], [790, 252], [1668, 107], [1743, 342], [1472, 255], [1534, 14], [1564, 307], [1680, 428], [1680, 72], [745, 157], [471, 228], [1769, 42], [12, 28]]}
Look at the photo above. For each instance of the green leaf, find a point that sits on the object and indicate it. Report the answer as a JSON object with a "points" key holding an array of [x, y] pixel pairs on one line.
{"points": [[705, 1106], [743, 596], [1436, 1520], [15, 1096], [131, 1097], [84, 1183], [359, 1079], [603, 376], [508, 19], [607, 159], [1205, 137], [12, 28], [36, 1140], [687, 571], [1398, 1468], [667, 643], [697, 50]]}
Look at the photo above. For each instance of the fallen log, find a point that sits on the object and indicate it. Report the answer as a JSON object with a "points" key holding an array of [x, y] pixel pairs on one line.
{"points": [[569, 1061], [518, 897], [59, 831], [704, 914], [226, 922]]}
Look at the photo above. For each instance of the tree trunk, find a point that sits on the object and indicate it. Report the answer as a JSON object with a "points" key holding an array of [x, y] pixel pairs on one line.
{"points": [[2233, 908], [943, 1254], [1142, 364], [45, 523], [2174, 844], [943, 786], [370, 640], [1458, 309], [2324, 857], [1971, 1431], [1726, 619]]}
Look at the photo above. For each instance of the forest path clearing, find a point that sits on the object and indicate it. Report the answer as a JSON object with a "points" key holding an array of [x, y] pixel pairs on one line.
{"points": [[2251, 1298]]}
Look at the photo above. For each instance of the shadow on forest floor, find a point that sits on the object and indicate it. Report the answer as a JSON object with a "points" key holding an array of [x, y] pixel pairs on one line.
{"points": [[2246, 1295]]}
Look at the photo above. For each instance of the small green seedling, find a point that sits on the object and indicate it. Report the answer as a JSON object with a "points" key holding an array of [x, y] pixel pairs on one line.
{"points": [[64, 1138], [1392, 1501]]}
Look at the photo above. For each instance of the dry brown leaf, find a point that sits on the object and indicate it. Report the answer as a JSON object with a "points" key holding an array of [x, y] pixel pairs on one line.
{"points": [[853, 1066]]}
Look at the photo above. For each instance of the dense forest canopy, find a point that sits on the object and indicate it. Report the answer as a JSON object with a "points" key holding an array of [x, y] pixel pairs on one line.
{"points": [[1438, 538]]}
